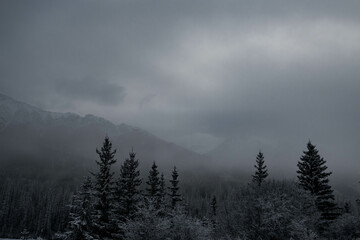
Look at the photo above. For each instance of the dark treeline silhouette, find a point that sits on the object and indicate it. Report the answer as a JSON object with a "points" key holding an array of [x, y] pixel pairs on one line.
{"points": [[123, 206], [38, 206]]}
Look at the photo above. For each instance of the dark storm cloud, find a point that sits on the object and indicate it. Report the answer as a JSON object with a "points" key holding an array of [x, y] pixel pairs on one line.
{"points": [[194, 71]]}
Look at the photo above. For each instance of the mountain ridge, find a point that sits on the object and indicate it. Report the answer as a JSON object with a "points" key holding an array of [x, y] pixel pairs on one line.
{"points": [[11, 109], [30, 136]]}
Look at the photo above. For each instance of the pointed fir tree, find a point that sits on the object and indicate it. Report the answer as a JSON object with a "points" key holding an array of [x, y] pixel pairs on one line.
{"points": [[162, 190], [153, 182], [313, 177], [261, 171], [128, 193], [104, 190], [175, 196], [153, 190], [213, 205], [213, 208], [81, 211]]}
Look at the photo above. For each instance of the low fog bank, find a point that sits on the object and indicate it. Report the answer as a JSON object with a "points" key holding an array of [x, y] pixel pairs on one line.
{"points": [[61, 146]]}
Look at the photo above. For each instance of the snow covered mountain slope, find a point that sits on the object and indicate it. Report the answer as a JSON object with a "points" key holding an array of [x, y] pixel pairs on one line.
{"points": [[13, 112], [42, 143]]}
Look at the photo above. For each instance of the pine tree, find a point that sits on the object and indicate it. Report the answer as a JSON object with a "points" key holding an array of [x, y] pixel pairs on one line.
{"points": [[104, 189], [313, 177], [162, 189], [174, 189], [261, 172], [213, 205], [128, 193], [153, 189], [81, 211]]}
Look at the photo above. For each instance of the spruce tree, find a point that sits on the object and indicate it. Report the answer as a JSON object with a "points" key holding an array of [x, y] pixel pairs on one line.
{"points": [[213, 205], [81, 211], [313, 177], [104, 189], [261, 171], [162, 191], [128, 193], [153, 189], [174, 189]]}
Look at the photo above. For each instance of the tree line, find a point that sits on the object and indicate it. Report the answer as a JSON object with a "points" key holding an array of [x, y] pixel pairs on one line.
{"points": [[106, 206], [123, 206]]}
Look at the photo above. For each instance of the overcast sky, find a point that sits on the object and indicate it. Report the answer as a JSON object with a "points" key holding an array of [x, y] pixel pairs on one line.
{"points": [[194, 72]]}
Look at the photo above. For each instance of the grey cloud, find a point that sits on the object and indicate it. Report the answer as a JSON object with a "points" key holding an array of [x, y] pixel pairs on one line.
{"points": [[92, 90], [145, 100], [280, 70]]}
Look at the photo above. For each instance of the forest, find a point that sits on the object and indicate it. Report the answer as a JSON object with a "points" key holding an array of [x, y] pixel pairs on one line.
{"points": [[125, 206], [179, 120]]}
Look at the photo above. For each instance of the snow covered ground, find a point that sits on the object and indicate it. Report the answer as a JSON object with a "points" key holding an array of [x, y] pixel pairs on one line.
{"points": [[15, 239]]}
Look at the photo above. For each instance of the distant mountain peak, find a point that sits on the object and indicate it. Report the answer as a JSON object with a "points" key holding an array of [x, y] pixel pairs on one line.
{"points": [[30, 136], [12, 110], [16, 112]]}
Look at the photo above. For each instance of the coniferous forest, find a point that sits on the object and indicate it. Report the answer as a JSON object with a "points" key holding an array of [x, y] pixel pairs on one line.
{"points": [[179, 120], [125, 206]]}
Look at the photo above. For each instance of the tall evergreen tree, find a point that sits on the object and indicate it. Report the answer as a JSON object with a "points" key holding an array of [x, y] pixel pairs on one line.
{"points": [[175, 196], [162, 191], [128, 193], [153, 189], [313, 177], [104, 189], [261, 171], [213, 208], [81, 211], [213, 205]]}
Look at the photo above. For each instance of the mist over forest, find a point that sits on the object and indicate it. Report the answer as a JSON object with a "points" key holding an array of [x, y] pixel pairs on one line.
{"points": [[174, 120]]}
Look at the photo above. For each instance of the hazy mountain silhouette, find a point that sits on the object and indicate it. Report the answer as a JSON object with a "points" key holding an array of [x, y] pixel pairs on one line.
{"points": [[34, 142]]}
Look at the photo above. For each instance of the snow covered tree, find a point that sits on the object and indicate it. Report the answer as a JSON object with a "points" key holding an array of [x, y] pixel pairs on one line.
{"points": [[213, 208], [175, 196], [261, 172], [153, 225], [213, 205], [153, 189], [346, 226], [150, 224], [313, 177], [104, 189], [128, 193], [272, 213], [81, 212], [24, 234], [162, 189]]}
